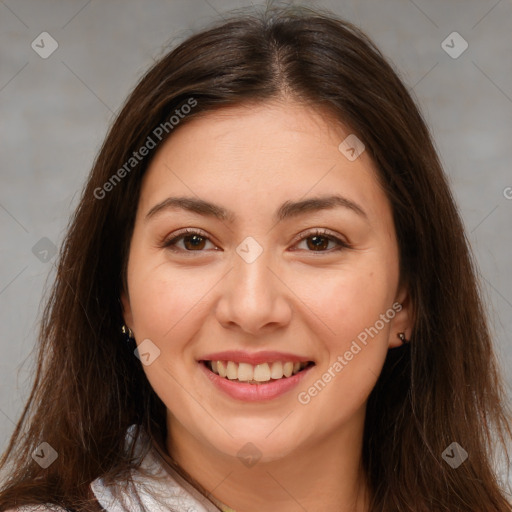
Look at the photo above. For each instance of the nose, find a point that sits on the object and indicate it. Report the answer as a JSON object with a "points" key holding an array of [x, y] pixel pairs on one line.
{"points": [[254, 297]]}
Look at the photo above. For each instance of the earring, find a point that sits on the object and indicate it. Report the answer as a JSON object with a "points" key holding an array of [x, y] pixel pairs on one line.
{"points": [[401, 335], [128, 333]]}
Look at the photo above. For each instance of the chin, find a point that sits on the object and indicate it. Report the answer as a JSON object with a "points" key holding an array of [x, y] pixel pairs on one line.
{"points": [[263, 443]]}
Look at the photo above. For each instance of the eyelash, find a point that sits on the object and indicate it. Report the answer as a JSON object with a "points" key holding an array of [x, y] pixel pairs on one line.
{"points": [[170, 243]]}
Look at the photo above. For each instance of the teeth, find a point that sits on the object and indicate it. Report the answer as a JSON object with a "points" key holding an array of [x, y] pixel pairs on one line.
{"points": [[276, 371], [245, 372], [221, 366], [287, 369], [261, 372], [264, 372], [232, 370]]}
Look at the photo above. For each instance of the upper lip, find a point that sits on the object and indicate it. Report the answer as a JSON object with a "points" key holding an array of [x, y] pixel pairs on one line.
{"points": [[254, 358]]}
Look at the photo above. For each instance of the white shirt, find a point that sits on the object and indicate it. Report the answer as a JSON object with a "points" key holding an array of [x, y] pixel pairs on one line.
{"points": [[172, 494]]}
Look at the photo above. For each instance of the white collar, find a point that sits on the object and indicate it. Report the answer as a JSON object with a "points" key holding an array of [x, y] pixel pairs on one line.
{"points": [[171, 492]]}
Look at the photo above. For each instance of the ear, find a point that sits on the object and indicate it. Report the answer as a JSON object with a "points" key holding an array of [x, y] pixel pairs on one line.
{"points": [[404, 318], [127, 310]]}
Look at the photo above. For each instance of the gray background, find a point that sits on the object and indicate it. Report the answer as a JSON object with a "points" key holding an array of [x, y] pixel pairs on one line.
{"points": [[54, 114]]}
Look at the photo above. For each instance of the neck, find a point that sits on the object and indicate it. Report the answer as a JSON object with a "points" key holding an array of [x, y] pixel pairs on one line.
{"points": [[325, 475]]}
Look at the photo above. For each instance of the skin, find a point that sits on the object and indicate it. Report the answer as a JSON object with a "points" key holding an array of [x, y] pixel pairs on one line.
{"points": [[251, 159]]}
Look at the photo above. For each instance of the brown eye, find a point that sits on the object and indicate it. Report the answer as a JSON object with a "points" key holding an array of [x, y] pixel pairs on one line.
{"points": [[318, 242], [193, 241]]}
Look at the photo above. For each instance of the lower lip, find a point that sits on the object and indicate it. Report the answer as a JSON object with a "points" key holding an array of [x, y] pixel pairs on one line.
{"points": [[255, 392]]}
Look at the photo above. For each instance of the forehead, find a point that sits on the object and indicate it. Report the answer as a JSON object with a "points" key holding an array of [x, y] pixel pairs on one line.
{"points": [[258, 153], [278, 126]]}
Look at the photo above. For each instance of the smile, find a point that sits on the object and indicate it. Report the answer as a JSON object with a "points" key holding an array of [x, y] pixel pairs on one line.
{"points": [[252, 383], [256, 374]]}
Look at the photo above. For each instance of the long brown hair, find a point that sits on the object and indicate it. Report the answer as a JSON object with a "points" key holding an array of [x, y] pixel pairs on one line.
{"points": [[442, 387]]}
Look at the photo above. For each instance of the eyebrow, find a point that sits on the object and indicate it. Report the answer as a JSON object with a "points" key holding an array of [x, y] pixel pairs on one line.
{"points": [[287, 210]]}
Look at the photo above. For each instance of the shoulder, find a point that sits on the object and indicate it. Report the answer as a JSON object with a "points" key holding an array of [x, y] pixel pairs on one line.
{"points": [[37, 508]]}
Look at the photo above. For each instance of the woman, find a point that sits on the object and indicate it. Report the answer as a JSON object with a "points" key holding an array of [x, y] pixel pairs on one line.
{"points": [[323, 348]]}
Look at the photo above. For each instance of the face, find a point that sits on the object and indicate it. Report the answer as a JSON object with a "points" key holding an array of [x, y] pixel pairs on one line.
{"points": [[265, 278]]}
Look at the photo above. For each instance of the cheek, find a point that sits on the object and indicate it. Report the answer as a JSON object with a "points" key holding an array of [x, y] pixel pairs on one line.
{"points": [[356, 344], [162, 298], [348, 300], [166, 306], [352, 303]]}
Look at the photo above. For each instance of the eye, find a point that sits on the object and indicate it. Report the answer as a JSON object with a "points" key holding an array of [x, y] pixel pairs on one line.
{"points": [[320, 239], [193, 240]]}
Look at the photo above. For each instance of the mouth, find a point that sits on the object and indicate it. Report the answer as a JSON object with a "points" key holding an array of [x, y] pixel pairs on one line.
{"points": [[258, 374]]}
